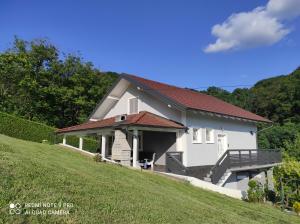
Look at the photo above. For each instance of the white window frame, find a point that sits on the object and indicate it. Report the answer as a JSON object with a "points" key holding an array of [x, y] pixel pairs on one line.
{"points": [[128, 105], [212, 135], [199, 131]]}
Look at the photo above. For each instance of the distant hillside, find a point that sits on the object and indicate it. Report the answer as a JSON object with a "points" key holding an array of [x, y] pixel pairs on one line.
{"points": [[277, 98], [104, 193]]}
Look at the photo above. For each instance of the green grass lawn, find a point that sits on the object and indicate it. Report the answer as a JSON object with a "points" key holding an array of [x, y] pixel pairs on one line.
{"points": [[104, 193]]}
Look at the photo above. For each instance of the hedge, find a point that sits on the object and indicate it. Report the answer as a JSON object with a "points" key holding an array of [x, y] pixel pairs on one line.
{"points": [[37, 132]]}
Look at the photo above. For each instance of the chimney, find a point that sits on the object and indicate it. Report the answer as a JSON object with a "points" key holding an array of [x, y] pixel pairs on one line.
{"points": [[121, 150]]}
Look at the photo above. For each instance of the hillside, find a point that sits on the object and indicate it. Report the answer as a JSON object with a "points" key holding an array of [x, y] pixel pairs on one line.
{"points": [[277, 98], [103, 193]]}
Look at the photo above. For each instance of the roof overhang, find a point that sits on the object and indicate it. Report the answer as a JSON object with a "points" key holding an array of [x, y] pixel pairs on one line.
{"points": [[219, 115], [143, 120], [109, 129], [110, 99], [154, 93]]}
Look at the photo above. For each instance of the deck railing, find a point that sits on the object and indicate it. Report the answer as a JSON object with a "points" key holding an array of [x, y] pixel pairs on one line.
{"points": [[239, 158]]}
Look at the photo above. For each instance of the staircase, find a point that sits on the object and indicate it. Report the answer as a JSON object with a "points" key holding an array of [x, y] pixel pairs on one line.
{"points": [[224, 178], [231, 160], [174, 163], [239, 159]]}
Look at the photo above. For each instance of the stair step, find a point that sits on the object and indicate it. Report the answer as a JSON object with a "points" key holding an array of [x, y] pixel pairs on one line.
{"points": [[207, 179]]}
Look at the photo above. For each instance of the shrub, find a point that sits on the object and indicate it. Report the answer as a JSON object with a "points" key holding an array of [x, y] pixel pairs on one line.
{"points": [[98, 158], [89, 144], [255, 191], [23, 129], [288, 174], [296, 207], [33, 131]]}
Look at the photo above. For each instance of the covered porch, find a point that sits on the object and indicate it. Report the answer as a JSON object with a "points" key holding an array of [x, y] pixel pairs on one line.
{"points": [[140, 140]]}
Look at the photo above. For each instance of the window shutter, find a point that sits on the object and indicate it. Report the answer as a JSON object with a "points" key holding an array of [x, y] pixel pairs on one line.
{"points": [[133, 106]]}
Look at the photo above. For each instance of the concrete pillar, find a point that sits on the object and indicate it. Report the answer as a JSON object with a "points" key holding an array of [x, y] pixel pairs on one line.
{"points": [[270, 179], [80, 143], [103, 146], [121, 150], [64, 140], [135, 148]]}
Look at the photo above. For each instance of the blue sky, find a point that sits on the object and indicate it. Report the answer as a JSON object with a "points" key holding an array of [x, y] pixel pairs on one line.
{"points": [[165, 40]]}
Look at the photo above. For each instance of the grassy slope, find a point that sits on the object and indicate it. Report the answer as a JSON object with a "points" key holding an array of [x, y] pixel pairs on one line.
{"points": [[105, 193]]}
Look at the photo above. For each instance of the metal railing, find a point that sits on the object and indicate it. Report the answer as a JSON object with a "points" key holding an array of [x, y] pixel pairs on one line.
{"points": [[243, 158]]}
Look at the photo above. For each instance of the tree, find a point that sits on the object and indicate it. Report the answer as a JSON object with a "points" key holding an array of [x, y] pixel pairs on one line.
{"points": [[287, 178], [292, 149], [38, 83]]}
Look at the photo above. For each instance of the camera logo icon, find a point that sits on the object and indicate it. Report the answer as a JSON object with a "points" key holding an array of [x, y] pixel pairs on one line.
{"points": [[15, 208]]}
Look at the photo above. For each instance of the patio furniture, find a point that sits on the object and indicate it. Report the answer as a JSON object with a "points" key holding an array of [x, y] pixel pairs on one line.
{"points": [[148, 163]]}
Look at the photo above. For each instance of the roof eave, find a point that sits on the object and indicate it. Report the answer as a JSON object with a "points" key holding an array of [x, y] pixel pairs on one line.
{"points": [[104, 97], [231, 116], [154, 93]]}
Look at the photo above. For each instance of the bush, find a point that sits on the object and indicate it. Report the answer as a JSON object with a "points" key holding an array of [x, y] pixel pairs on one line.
{"points": [[98, 158], [296, 207], [89, 144], [23, 129], [289, 174], [255, 192], [36, 132]]}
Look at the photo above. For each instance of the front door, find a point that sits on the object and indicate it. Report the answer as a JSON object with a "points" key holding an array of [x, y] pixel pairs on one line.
{"points": [[222, 144]]}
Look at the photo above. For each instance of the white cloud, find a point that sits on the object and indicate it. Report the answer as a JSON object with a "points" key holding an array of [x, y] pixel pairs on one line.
{"points": [[259, 27], [283, 9]]}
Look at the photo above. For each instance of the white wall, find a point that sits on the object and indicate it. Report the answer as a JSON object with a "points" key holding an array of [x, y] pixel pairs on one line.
{"points": [[240, 180], [146, 103], [238, 137], [234, 193]]}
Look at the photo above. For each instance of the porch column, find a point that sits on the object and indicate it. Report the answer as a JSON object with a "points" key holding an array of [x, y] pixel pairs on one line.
{"points": [[103, 146], [184, 140], [64, 140], [178, 141], [80, 142], [135, 148]]}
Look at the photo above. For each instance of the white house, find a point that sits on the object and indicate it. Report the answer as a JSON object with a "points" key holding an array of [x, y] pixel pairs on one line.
{"points": [[181, 130]]}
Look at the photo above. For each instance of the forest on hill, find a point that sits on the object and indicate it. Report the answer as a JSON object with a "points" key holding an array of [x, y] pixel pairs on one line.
{"points": [[40, 83]]}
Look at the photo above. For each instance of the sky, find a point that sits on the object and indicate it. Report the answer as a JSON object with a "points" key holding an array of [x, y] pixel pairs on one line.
{"points": [[189, 43]]}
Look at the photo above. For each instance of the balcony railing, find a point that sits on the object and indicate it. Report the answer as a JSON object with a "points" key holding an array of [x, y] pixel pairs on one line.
{"points": [[239, 158]]}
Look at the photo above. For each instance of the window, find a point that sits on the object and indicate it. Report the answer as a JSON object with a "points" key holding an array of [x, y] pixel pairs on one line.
{"points": [[209, 135], [133, 106], [197, 135]]}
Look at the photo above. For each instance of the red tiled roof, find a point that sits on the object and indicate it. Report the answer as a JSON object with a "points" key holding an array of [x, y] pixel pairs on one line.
{"points": [[196, 100], [142, 119]]}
